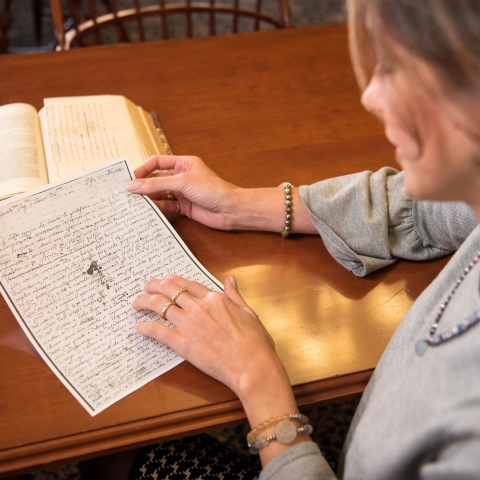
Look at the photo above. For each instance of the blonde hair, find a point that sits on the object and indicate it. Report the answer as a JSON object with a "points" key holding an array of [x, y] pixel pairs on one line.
{"points": [[444, 33]]}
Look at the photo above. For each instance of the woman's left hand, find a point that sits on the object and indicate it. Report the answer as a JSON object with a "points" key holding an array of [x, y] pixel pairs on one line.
{"points": [[222, 336], [217, 332]]}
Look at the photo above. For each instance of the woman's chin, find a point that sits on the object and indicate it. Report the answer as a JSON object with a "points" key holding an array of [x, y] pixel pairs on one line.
{"points": [[421, 189], [403, 155], [410, 188], [400, 158], [414, 185]]}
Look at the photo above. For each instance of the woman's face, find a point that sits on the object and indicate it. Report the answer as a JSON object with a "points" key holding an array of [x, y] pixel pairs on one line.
{"points": [[441, 161]]}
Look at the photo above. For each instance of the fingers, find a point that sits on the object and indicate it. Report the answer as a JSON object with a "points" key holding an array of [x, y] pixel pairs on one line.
{"points": [[231, 291], [166, 201], [159, 170], [168, 296], [161, 164], [160, 332], [155, 302], [156, 162], [173, 293], [156, 184], [162, 297], [168, 206], [176, 292], [163, 195], [156, 173], [169, 285]]}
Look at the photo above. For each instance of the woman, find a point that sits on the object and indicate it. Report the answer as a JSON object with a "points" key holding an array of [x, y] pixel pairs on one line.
{"points": [[418, 64]]}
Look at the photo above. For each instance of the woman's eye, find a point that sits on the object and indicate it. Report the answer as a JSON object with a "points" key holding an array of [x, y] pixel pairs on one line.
{"points": [[383, 68]]}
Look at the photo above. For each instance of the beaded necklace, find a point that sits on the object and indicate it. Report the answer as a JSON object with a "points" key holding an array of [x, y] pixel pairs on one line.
{"points": [[431, 340]]}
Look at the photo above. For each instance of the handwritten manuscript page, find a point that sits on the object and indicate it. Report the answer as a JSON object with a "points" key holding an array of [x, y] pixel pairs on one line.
{"points": [[73, 256]]}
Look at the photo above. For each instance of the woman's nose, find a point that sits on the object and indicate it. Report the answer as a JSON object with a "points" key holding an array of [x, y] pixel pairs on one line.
{"points": [[372, 99]]}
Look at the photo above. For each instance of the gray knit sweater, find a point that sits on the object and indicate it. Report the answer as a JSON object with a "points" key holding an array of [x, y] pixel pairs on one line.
{"points": [[419, 417]]}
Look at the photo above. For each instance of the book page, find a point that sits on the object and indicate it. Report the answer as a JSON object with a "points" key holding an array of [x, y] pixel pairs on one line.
{"points": [[70, 270], [155, 132], [22, 163], [144, 137], [80, 132]]}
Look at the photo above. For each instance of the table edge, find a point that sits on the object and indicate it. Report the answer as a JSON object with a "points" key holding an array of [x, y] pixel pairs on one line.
{"points": [[60, 451]]}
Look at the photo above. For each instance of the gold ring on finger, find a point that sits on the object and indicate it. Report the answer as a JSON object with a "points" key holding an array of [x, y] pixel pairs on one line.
{"points": [[165, 308], [182, 290], [170, 196], [178, 206]]}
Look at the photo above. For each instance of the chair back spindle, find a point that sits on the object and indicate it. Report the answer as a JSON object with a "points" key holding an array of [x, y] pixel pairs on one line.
{"points": [[95, 22]]}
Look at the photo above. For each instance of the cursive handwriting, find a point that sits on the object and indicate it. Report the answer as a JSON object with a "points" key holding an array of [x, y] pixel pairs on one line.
{"points": [[73, 258]]}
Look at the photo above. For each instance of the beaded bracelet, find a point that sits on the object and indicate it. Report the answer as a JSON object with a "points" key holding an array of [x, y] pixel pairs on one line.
{"points": [[288, 208], [270, 423], [285, 431]]}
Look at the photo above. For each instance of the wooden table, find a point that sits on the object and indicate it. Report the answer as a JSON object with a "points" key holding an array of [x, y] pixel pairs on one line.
{"points": [[260, 109]]}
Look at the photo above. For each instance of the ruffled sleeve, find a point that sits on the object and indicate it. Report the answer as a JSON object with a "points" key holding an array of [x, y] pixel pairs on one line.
{"points": [[367, 221]]}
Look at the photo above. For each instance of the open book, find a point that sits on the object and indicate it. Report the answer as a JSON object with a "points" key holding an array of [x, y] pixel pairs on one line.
{"points": [[70, 134]]}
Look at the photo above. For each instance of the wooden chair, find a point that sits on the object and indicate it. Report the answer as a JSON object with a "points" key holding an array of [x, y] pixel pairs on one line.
{"points": [[4, 25], [96, 22]]}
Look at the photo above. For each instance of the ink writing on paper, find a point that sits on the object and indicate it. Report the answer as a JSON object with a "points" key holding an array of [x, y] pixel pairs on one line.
{"points": [[73, 256]]}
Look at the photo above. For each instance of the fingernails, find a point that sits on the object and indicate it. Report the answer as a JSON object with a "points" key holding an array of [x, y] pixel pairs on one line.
{"points": [[133, 186], [233, 281]]}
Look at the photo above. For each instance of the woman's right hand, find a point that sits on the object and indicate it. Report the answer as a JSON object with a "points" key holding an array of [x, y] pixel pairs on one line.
{"points": [[201, 194]]}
